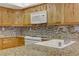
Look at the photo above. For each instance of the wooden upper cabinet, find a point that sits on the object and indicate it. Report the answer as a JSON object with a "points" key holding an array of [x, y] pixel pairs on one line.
{"points": [[55, 14], [11, 17], [69, 13], [76, 13], [51, 9], [59, 19], [4, 15], [18, 18], [7, 17], [26, 18], [15, 18], [0, 17]]}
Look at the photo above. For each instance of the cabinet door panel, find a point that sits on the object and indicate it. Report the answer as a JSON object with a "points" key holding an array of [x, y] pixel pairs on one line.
{"points": [[59, 14], [27, 19], [12, 42], [76, 13], [11, 16], [51, 8], [9, 42], [55, 14], [20, 41], [68, 14], [4, 14], [7, 17], [18, 18], [0, 17]]}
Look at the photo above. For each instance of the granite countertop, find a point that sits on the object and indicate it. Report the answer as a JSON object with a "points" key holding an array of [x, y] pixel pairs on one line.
{"points": [[54, 51], [45, 49]]}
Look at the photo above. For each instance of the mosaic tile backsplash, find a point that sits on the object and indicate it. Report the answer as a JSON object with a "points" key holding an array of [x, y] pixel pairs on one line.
{"points": [[50, 32], [10, 31], [57, 32]]}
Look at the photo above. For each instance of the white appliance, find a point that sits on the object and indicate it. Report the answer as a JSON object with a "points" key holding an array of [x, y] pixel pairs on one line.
{"points": [[39, 17], [31, 40]]}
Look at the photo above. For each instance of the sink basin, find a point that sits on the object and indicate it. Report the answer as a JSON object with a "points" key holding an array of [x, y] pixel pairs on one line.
{"points": [[56, 43]]}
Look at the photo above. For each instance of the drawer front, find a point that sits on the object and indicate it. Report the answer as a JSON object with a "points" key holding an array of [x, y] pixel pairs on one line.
{"points": [[10, 42], [20, 41]]}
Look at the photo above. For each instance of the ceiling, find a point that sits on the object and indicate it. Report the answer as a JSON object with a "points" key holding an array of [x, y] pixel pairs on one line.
{"points": [[18, 5]]}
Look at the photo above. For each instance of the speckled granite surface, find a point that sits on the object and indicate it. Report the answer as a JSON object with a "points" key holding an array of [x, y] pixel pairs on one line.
{"points": [[21, 51], [72, 50], [36, 50]]}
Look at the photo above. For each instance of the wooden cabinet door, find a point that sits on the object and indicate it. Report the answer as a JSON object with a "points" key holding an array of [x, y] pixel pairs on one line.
{"points": [[12, 42], [26, 19], [76, 13], [51, 9], [55, 14], [20, 41], [0, 17], [9, 42], [59, 20], [68, 13], [11, 17], [4, 15], [7, 17], [18, 18]]}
